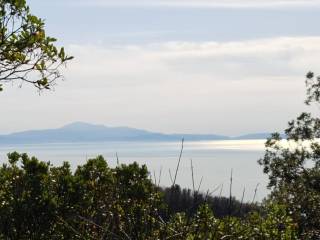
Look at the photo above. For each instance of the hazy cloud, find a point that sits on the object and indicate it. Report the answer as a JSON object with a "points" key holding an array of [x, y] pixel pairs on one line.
{"points": [[202, 3], [218, 87], [278, 58]]}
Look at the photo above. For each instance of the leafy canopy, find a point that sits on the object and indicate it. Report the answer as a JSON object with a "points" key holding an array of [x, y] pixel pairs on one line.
{"points": [[293, 166], [41, 201], [27, 54]]}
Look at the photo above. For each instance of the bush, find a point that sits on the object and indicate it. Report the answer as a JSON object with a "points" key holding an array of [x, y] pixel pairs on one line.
{"points": [[39, 201]]}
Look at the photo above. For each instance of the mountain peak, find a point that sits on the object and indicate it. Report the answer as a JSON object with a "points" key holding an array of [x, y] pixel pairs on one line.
{"points": [[82, 126]]}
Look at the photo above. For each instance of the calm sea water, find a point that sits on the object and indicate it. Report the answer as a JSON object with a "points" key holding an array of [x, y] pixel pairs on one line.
{"points": [[212, 161]]}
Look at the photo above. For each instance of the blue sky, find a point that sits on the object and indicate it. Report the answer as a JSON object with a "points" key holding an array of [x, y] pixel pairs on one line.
{"points": [[227, 67], [129, 23]]}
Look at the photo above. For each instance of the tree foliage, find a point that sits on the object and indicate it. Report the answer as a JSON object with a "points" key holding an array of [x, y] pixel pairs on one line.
{"points": [[293, 166], [187, 201], [40, 201], [27, 54]]}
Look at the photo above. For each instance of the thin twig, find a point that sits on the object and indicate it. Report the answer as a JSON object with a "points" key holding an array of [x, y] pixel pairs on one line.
{"points": [[160, 175], [221, 190], [178, 165], [255, 193], [215, 189], [200, 184], [207, 196], [118, 163], [192, 173], [241, 204], [170, 176]]}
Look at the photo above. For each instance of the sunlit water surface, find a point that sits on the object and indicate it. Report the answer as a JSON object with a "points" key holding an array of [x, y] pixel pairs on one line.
{"points": [[212, 160]]}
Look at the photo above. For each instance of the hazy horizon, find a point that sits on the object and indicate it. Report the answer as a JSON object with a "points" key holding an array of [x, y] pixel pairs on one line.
{"points": [[123, 126]]}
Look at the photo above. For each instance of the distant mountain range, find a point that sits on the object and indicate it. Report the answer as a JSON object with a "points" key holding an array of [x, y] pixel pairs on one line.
{"points": [[85, 132]]}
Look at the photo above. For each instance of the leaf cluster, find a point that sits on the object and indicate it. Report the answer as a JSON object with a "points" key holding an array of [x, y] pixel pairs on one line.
{"points": [[27, 54], [293, 166]]}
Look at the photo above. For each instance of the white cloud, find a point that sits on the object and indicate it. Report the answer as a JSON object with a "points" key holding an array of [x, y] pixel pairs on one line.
{"points": [[277, 58], [217, 87]]}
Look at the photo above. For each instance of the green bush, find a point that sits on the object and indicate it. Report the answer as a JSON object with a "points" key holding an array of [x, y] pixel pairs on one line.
{"points": [[39, 201]]}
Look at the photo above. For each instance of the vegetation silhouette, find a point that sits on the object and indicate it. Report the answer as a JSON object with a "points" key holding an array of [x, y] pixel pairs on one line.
{"points": [[27, 54], [293, 166], [41, 201]]}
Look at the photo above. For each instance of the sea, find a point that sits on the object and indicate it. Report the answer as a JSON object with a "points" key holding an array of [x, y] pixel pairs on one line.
{"points": [[215, 164]]}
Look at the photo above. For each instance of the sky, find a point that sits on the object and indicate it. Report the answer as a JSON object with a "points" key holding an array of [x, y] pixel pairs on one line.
{"points": [[175, 66]]}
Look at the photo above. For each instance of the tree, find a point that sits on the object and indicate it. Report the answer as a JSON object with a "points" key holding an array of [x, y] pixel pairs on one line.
{"points": [[293, 166], [39, 201], [27, 54]]}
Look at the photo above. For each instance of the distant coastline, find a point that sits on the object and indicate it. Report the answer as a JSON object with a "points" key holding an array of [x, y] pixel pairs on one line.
{"points": [[86, 132]]}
